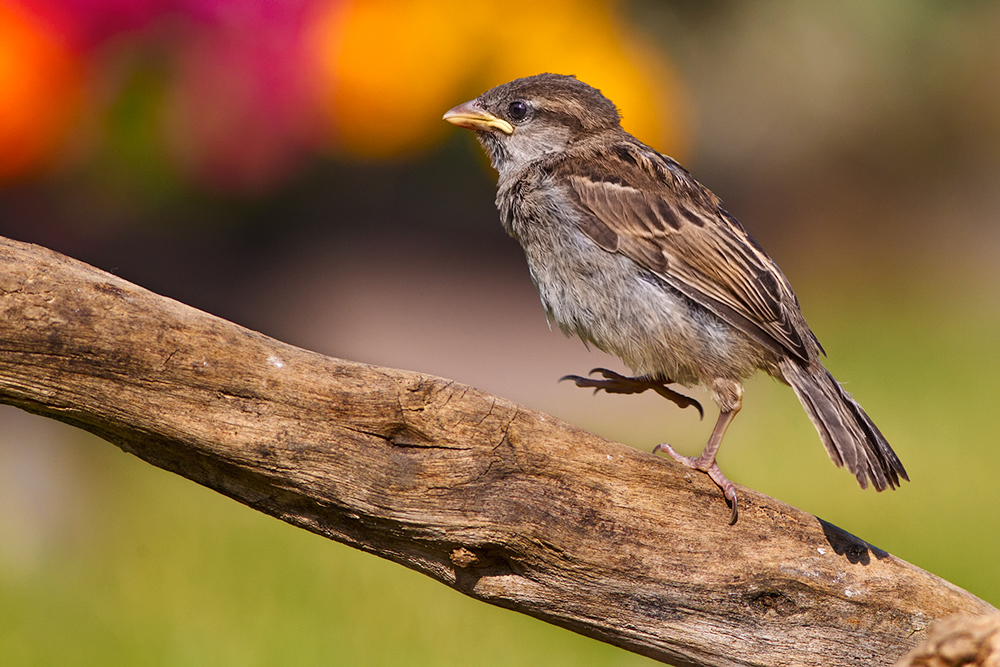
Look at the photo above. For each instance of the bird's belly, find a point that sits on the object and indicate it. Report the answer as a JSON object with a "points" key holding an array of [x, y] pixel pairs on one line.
{"points": [[608, 300]]}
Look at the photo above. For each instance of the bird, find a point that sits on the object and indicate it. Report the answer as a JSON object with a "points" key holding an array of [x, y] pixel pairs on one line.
{"points": [[634, 256]]}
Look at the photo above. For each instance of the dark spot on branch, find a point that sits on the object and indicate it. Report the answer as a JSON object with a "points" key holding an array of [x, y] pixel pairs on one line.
{"points": [[479, 563], [650, 605], [766, 602], [108, 288]]}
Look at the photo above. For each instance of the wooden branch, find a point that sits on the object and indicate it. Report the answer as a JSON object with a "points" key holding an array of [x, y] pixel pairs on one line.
{"points": [[504, 504], [958, 641]]}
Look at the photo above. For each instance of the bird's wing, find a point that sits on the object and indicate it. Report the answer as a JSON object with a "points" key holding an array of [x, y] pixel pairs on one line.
{"points": [[664, 220]]}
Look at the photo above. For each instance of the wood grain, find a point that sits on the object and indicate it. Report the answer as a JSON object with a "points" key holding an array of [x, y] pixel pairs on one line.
{"points": [[958, 641], [502, 503]]}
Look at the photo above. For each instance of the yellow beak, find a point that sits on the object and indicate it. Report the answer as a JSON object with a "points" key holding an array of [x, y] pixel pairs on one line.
{"points": [[472, 116]]}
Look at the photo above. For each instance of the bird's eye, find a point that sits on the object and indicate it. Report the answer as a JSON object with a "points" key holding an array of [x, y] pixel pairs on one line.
{"points": [[518, 110]]}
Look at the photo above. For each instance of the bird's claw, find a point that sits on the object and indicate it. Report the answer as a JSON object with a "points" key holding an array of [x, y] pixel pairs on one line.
{"points": [[615, 383], [711, 468]]}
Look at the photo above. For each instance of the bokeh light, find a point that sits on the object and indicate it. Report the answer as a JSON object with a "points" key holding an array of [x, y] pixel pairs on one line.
{"points": [[239, 108], [247, 92], [392, 66], [40, 91]]}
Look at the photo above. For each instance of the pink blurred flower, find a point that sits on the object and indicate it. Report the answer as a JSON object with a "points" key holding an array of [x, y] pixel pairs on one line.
{"points": [[241, 109], [239, 102], [86, 23]]}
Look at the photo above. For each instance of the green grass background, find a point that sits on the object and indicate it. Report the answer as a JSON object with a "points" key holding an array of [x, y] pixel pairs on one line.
{"points": [[140, 567]]}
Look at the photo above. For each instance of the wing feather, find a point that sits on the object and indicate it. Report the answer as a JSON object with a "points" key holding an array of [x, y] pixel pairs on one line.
{"points": [[668, 223]]}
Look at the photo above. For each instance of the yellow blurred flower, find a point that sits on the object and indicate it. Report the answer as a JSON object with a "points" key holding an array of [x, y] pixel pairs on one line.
{"points": [[588, 39], [390, 68]]}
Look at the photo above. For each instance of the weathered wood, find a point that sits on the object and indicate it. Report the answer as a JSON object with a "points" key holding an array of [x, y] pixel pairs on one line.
{"points": [[502, 503], [958, 641]]}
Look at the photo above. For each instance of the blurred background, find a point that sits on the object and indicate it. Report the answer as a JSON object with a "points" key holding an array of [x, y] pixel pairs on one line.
{"points": [[283, 164]]}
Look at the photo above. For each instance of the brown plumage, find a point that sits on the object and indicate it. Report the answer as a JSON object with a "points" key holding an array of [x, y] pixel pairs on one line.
{"points": [[632, 254]]}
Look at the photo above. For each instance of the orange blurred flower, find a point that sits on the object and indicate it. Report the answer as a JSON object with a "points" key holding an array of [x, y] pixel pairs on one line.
{"points": [[247, 85], [41, 83], [390, 68]]}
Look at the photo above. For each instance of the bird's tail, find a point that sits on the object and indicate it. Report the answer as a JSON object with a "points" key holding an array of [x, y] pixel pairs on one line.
{"points": [[851, 438]]}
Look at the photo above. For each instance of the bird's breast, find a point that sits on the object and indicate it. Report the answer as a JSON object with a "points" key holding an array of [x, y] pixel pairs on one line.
{"points": [[621, 308]]}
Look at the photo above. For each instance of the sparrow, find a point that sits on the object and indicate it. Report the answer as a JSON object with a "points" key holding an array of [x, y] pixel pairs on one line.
{"points": [[632, 255]]}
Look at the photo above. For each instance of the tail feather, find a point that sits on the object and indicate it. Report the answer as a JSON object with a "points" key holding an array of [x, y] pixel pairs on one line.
{"points": [[851, 438]]}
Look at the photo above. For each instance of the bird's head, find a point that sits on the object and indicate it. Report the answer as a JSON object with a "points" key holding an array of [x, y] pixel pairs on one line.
{"points": [[528, 118]]}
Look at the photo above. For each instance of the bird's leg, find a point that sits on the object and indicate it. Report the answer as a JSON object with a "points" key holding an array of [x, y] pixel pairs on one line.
{"points": [[729, 394], [613, 383]]}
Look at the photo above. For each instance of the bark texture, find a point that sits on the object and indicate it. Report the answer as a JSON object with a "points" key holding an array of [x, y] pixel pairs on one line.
{"points": [[502, 503], [958, 641]]}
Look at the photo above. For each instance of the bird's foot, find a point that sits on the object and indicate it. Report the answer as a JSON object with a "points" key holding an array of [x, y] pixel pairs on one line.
{"points": [[613, 383], [707, 465]]}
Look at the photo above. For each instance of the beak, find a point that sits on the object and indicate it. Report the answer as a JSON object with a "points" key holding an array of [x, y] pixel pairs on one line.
{"points": [[472, 116]]}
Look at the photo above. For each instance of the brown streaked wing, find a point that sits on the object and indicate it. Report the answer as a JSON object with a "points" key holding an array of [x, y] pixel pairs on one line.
{"points": [[702, 252]]}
